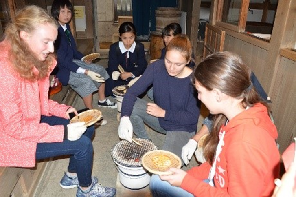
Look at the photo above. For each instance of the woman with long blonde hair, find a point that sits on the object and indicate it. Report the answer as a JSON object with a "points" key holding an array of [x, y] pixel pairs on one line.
{"points": [[34, 127]]}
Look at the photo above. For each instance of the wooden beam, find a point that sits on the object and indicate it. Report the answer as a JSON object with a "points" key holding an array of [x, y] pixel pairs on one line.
{"points": [[205, 4], [243, 15], [260, 6], [265, 10]]}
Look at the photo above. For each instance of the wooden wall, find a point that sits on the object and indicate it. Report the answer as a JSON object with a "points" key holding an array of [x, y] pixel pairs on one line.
{"points": [[254, 56], [274, 63], [282, 93], [284, 101]]}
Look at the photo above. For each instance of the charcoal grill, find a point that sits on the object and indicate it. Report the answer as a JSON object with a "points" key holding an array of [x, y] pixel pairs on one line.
{"points": [[127, 156]]}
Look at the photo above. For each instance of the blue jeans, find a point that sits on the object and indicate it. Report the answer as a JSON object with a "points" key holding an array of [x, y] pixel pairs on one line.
{"points": [[174, 140], [150, 93], [161, 188], [80, 151], [139, 116]]}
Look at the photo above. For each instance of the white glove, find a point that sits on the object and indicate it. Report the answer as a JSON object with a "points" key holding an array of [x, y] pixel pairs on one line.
{"points": [[133, 81], [95, 76], [188, 150], [75, 130], [115, 75], [125, 129]]}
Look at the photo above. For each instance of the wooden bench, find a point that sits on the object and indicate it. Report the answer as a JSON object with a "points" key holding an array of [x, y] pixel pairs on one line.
{"points": [[20, 182]]}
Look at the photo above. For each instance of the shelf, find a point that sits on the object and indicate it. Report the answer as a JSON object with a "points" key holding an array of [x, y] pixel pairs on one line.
{"points": [[288, 53]]}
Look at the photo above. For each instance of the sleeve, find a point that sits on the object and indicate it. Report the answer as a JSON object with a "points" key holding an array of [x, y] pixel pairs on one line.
{"points": [[76, 54], [57, 109], [200, 172], [194, 182], [259, 87], [65, 53], [113, 59], [135, 90], [15, 125], [140, 61], [208, 121]]}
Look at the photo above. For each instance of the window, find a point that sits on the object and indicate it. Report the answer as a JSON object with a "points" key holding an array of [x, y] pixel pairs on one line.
{"points": [[231, 11], [122, 8], [250, 16]]}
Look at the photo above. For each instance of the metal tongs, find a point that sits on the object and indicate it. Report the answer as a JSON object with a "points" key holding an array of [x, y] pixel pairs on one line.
{"points": [[121, 70], [136, 142]]}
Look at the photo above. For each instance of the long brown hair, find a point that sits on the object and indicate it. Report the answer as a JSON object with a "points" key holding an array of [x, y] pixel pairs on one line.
{"points": [[226, 72], [23, 59]]}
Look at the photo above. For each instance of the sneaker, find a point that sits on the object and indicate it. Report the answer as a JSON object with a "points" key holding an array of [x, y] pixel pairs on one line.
{"points": [[72, 182], [96, 190], [69, 182], [107, 103]]}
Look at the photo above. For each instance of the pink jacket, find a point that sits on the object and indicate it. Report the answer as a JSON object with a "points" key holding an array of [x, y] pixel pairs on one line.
{"points": [[22, 103], [248, 162]]}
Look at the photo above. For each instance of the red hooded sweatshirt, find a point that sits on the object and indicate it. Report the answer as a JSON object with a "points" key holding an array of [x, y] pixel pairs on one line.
{"points": [[248, 162]]}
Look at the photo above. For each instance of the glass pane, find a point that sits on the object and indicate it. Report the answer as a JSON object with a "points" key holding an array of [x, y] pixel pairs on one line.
{"points": [[122, 8], [261, 19], [231, 11]]}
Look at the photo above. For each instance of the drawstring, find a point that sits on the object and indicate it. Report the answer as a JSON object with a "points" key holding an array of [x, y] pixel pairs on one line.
{"points": [[218, 151]]}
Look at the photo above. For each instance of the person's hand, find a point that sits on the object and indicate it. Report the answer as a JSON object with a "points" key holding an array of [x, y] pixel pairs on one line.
{"points": [[87, 61], [69, 111], [188, 150], [95, 76], [133, 81], [115, 75], [125, 129], [155, 110], [75, 130], [175, 178], [125, 75], [287, 186]]}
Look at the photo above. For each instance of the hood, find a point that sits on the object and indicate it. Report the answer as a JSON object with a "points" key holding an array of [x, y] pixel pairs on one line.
{"points": [[256, 115]]}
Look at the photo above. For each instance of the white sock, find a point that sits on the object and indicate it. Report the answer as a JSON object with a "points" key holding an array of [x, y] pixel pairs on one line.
{"points": [[102, 101], [71, 175]]}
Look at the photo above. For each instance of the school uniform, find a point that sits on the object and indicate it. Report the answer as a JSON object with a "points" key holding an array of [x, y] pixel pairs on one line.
{"points": [[70, 67], [132, 60]]}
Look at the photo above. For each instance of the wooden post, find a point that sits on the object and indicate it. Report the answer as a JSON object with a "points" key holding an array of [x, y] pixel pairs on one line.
{"points": [[72, 23], [266, 4], [12, 9]]}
